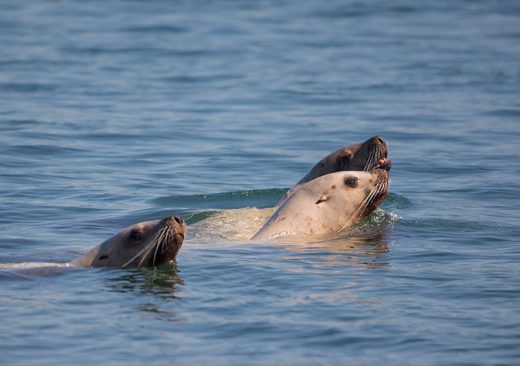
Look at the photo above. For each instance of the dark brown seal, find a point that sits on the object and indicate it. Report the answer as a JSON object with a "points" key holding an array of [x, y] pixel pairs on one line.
{"points": [[366, 156]]}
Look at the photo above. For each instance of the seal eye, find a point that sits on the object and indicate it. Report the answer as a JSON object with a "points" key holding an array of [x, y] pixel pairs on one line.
{"points": [[351, 181], [136, 235], [344, 160]]}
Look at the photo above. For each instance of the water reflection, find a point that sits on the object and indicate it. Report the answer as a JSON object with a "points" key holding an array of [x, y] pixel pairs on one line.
{"points": [[159, 281], [363, 251]]}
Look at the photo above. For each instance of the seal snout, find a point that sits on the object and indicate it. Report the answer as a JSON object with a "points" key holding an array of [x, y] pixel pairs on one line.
{"points": [[378, 140], [173, 221], [379, 144], [167, 241]]}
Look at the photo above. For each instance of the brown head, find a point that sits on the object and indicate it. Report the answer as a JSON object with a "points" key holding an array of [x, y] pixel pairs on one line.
{"points": [[366, 156]]}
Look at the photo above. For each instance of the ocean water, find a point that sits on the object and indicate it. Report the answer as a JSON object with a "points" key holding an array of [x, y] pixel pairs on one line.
{"points": [[115, 112]]}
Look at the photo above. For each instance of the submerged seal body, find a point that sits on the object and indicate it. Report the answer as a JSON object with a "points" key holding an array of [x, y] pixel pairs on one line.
{"points": [[365, 156], [327, 204], [145, 244]]}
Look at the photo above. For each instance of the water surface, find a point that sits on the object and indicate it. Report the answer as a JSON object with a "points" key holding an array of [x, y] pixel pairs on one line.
{"points": [[117, 112]]}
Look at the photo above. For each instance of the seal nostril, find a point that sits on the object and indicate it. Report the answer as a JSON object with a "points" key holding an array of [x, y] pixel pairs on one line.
{"points": [[380, 140], [178, 219]]}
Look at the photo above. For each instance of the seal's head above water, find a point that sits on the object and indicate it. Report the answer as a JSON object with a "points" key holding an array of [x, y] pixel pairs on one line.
{"points": [[145, 244], [327, 204], [366, 156]]}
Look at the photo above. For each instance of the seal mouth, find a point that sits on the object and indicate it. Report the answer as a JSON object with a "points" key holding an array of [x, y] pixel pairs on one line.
{"points": [[164, 245], [384, 163], [378, 155]]}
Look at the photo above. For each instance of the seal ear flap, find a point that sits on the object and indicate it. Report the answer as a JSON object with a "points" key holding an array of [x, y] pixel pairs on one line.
{"points": [[322, 199]]}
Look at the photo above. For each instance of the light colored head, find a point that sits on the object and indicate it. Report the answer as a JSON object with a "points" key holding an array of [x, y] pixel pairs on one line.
{"points": [[366, 156], [145, 244], [328, 204]]}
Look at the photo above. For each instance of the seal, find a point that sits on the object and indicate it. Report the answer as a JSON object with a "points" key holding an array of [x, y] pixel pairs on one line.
{"points": [[366, 156], [327, 204], [146, 244]]}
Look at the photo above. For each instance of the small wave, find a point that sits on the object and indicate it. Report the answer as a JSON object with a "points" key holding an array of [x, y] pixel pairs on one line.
{"points": [[378, 221], [458, 225], [236, 199], [394, 200], [503, 113], [31, 270], [156, 28], [20, 87], [31, 265], [42, 150]]}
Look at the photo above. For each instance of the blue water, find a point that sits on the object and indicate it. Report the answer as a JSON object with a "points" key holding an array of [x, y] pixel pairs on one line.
{"points": [[114, 112]]}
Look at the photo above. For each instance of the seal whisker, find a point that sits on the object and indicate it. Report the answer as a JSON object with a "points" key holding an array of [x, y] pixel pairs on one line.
{"points": [[359, 209], [151, 247], [374, 192], [368, 161], [159, 244], [146, 250], [372, 159], [162, 246], [164, 234], [136, 256], [375, 158]]}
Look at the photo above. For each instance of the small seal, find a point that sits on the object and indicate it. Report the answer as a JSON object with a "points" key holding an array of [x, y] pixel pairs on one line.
{"points": [[327, 204], [145, 244]]}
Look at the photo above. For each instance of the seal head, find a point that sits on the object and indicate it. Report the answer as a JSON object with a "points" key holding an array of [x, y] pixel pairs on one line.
{"points": [[366, 156], [327, 204], [146, 244]]}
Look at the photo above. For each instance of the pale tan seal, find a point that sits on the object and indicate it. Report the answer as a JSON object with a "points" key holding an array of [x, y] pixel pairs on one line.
{"points": [[145, 244], [327, 204]]}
